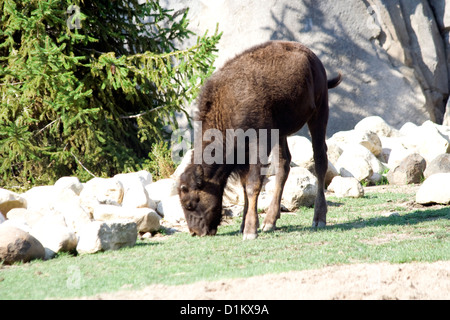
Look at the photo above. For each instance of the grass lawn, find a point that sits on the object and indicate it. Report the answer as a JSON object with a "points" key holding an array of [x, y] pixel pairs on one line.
{"points": [[359, 230]]}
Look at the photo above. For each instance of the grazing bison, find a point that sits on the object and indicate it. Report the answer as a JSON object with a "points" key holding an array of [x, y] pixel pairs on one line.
{"points": [[277, 86]]}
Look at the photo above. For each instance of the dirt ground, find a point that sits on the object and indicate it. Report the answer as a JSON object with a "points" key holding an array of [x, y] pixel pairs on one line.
{"points": [[358, 281]]}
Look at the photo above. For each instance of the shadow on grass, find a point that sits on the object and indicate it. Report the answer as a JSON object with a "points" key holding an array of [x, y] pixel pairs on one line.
{"points": [[411, 218]]}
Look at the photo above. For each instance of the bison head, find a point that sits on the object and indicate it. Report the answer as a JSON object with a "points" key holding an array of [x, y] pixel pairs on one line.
{"points": [[201, 201]]}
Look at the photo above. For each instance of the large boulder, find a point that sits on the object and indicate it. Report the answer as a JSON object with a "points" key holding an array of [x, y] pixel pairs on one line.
{"points": [[409, 171], [161, 189], [110, 235], [69, 183], [358, 162], [101, 191], [440, 164], [55, 238], [10, 200], [171, 210], [376, 124], [435, 189], [146, 219], [300, 189], [346, 187], [17, 245], [425, 140]]}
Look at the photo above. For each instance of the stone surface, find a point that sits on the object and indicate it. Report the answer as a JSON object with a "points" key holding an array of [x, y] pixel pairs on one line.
{"points": [[376, 124], [435, 189], [111, 235], [409, 171], [440, 164], [300, 189], [346, 187], [389, 47], [426, 140], [101, 191], [10, 200], [161, 189], [171, 210], [358, 162], [17, 245], [54, 238], [146, 219], [69, 183]]}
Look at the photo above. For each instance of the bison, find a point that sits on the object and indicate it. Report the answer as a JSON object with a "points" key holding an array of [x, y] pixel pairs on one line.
{"points": [[277, 86]]}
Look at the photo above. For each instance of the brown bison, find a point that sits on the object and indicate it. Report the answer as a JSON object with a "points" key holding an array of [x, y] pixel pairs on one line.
{"points": [[277, 86]]}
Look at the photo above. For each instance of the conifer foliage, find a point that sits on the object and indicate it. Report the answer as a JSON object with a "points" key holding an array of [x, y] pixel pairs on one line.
{"points": [[87, 87]]}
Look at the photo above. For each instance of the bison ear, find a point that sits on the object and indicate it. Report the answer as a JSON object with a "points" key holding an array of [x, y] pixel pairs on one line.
{"points": [[198, 175]]}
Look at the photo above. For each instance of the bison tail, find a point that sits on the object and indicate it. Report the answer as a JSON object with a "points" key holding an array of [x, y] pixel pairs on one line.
{"points": [[333, 83]]}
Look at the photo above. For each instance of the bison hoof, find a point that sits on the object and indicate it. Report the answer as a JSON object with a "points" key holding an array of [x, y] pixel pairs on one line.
{"points": [[319, 224], [268, 227], [250, 236]]}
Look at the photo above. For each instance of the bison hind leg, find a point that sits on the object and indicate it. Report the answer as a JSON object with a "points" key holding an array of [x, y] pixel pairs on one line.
{"points": [[317, 127]]}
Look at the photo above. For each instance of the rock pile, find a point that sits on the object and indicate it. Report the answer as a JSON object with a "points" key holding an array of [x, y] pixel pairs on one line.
{"points": [[109, 213], [102, 214]]}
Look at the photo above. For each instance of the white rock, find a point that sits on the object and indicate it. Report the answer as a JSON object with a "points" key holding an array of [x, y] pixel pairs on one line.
{"points": [[17, 224], [435, 189], [407, 128], [300, 189], [48, 199], [233, 194], [135, 195], [443, 130], [427, 141], [376, 124], [41, 198], [74, 213], [187, 159], [365, 138], [55, 238], [334, 151], [111, 235], [171, 209], [303, 156], [10, 200], [368, 139], [358, 161], [101, 191], [301, 151], [346, 187], [161, 189], [397, 154], [146, 219], [69, 183]]}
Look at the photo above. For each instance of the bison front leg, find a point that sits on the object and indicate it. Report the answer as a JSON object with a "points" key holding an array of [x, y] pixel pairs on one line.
{"points": [[252, 187], [282, 173]]}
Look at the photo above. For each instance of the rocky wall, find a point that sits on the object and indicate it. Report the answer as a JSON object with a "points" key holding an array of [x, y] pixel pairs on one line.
{"points": [[393, 53]]}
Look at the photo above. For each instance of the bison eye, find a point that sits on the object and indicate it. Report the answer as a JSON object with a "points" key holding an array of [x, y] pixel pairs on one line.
{"points": [[184, 188]]}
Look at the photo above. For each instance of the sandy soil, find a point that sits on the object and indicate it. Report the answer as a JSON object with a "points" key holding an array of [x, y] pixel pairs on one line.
{"points": [[357, 281]]}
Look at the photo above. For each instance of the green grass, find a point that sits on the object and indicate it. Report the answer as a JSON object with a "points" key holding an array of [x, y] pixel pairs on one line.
{"points": [[357, 232]]}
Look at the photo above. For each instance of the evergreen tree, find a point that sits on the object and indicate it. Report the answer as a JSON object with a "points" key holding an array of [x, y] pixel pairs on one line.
{"points": [[87, 87]]}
